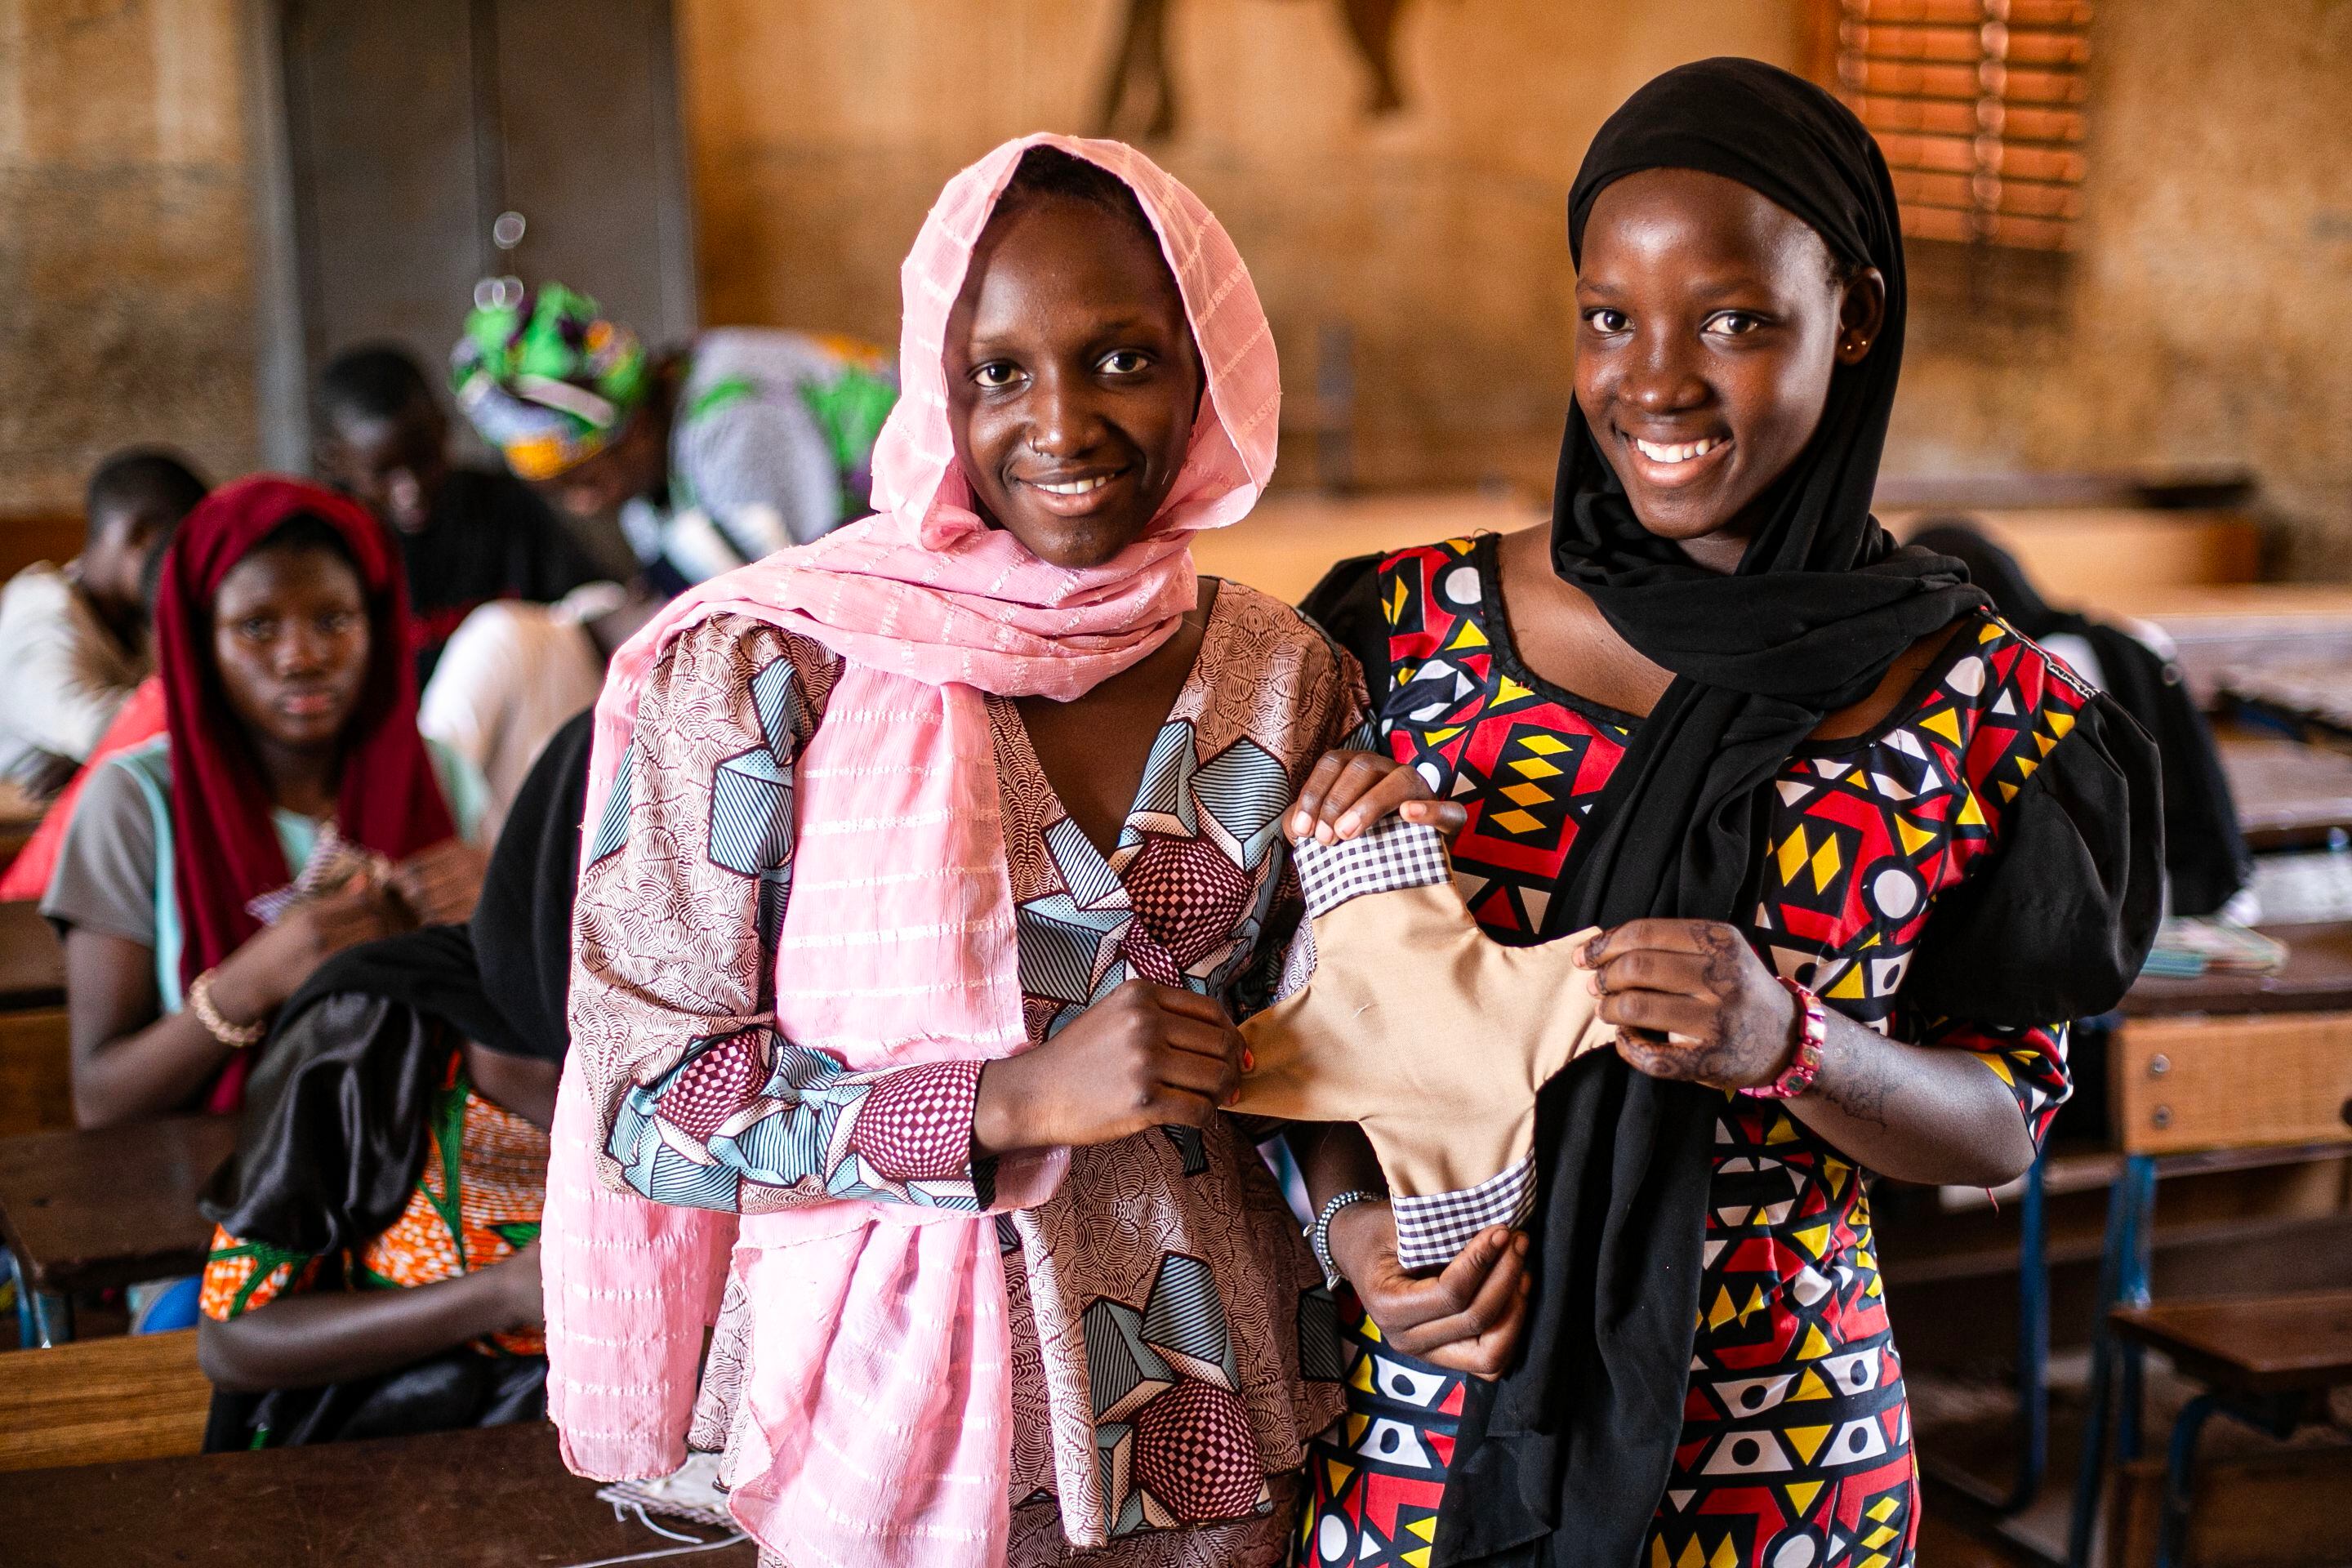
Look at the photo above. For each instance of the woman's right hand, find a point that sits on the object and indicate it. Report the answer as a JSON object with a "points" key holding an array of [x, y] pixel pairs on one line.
{"points": [[1145, 1056], [273, 963], [1465, 1317]]}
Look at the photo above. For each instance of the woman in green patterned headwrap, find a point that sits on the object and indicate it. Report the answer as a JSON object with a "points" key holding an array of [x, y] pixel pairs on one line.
{"points": [[748, 440]]}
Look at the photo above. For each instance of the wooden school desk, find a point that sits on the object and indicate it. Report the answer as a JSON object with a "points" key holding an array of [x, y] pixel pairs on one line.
{"points": [[82, 1211], [2289, 795], [2225, 1071], [487, 1499], [32, 964], [2260, 1020]]}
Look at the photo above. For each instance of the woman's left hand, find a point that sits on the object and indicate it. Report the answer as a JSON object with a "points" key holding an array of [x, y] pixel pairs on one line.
{"points": [[1349, 791], [1691, 1001], [441, 885]]}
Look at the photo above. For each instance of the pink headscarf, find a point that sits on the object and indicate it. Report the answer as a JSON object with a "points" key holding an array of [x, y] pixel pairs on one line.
{"points": [[865, 1307], [923, 587]]}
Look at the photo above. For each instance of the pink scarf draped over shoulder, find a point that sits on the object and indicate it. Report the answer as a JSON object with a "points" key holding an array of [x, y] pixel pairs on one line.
{"points": [[882, 1307]]}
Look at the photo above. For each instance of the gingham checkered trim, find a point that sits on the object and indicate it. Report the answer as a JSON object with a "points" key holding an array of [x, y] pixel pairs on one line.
{"points": [[1433, 1228], [1393, 854]]}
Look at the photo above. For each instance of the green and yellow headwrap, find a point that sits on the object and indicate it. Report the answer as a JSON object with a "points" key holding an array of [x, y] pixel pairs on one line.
{"points": [[547, 380]]}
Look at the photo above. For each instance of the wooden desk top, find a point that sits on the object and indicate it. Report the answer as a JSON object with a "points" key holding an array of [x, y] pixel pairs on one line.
{"points": [[2287, 793], [2263, 1345], [487, 1499], [86, 1210], [32, 964], [2317, 979]]}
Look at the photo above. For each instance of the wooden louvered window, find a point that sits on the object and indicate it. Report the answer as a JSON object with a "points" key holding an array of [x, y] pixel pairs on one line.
{"points": [[1979, 107]]}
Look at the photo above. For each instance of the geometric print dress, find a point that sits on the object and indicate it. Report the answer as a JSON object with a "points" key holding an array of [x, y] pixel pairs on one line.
{"points": [[1166, 1270], [1796, 1444]]}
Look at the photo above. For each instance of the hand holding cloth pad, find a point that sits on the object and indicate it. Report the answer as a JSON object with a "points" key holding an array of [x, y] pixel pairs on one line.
{"points": [[1408, 1019]]}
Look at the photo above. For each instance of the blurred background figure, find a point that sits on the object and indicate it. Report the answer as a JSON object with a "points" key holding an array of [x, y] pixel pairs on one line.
{"points": [[2205, 853], [747, 440], [466, 535], [73, 638]]}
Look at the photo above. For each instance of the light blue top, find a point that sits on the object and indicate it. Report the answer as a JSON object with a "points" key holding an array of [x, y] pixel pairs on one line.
{"points": [[151, 764]]}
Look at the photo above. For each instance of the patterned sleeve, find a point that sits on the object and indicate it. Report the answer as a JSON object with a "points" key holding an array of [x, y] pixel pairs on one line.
{"points": [[2030, 1060], [702, 1103], [1286, 953], [242, 1275]]}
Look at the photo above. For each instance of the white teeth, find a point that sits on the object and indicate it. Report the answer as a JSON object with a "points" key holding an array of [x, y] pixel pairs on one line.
{"points": [[1077, 486], [1677, 454]]}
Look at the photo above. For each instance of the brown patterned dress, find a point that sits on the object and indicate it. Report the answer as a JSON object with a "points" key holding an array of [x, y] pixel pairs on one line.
{"points": [[1163, 1284]]}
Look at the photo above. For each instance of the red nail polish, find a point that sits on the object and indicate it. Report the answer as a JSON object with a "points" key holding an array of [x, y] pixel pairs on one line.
{"points": [[1249, 1061]]}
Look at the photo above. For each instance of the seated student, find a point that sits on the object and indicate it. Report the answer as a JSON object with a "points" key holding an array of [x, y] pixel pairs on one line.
{"points": [[375, 1268], [747, 441], [466, 535], [74, 638], [2206, 861], [289, 810]]}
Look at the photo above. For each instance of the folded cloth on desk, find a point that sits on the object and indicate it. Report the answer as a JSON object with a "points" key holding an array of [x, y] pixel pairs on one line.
{"points": [[2189, 946]]}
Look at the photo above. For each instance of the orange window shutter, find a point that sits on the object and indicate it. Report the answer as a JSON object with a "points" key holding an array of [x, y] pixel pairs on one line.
{"points": [[1978, 105]]}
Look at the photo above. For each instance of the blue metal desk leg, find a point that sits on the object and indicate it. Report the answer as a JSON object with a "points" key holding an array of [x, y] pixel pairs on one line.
{"points": [[2181, 1459], [2140, 1262], [2032, 1344], [2122, 1276]]}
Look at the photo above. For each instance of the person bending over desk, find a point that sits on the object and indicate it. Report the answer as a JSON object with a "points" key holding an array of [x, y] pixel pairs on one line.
{"points": [[467, 536], [74, 637]]}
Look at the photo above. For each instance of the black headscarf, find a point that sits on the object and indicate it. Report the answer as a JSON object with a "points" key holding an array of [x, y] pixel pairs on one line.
{"points": [[1565, 1460], [334, 1121]]}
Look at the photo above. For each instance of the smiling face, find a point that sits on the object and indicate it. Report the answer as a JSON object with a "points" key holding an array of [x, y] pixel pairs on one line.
{"points": [[290, 637], [1709, 321], [1072, 378]]}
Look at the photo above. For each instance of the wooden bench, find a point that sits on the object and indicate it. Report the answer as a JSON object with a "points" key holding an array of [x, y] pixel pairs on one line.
{"points": [[2275, 1344], [140, 1397], [2268, 1362], [32, 960]]}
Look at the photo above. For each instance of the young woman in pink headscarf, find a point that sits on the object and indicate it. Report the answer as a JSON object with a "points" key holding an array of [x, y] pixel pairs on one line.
{"points": [[927, 866]]}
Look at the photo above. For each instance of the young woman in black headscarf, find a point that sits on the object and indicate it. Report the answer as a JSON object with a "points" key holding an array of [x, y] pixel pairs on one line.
{"points": [[1855, 846], [375, 1268]]}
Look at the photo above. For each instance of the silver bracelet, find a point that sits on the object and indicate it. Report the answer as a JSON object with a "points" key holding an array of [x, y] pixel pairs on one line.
{"points": [[1318, 1235]]}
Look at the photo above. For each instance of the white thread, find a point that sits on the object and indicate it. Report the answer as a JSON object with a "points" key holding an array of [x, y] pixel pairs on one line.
{"points": [[737, 1539]]}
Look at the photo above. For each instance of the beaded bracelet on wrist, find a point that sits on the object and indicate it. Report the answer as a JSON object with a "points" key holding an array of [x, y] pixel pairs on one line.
{"points": [[237, 1036]]}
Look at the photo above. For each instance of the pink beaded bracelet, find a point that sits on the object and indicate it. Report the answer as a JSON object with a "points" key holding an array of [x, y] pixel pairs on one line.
{"points": [[1813, 1031]]}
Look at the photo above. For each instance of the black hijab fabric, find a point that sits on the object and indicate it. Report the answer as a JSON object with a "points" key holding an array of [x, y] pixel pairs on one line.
{"points": [[1566, 1459], [522, 927], [334, 1122]]}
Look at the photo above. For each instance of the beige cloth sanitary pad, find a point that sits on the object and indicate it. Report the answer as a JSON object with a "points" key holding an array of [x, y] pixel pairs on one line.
{"points": [[1401, 1015]]}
